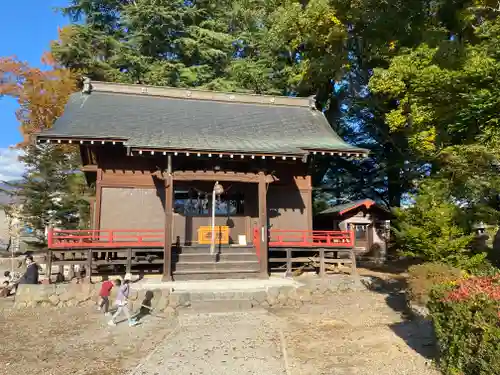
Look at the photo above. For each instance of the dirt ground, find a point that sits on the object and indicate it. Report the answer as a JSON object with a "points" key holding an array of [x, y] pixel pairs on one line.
{"points": [[74, 341], [354, 333], [362, 333]]}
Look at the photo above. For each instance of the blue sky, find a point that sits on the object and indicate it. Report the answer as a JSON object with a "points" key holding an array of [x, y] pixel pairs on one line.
{"points": [[26, 29]]}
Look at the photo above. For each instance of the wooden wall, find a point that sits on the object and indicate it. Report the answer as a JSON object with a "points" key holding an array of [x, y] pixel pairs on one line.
{"points": [[132, 197]]}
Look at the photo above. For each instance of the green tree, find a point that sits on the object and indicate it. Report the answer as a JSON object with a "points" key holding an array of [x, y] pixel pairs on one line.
{"points": [[432, 229], [50, 192]]}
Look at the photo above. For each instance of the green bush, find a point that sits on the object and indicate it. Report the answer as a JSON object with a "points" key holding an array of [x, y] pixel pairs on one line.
{"points": [[485, 269], [432, 229], [466, 321], [423, 277]]}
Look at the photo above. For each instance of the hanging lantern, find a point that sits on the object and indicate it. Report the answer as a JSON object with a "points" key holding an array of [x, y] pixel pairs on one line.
{"points": [[218, 189]]}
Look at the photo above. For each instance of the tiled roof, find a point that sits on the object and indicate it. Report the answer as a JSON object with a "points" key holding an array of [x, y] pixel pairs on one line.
{"points": [[345, 207], [196, 123]]}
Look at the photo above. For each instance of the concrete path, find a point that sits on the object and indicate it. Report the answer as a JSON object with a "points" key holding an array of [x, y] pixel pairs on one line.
{"points": [[220, 344]]}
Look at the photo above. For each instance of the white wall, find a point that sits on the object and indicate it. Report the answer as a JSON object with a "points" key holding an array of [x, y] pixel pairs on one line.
{"points": [[4, 229]]}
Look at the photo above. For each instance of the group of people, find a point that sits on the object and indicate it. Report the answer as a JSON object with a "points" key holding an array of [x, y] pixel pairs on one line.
{"points": [[30, 276], [13, 279], [121, 302]]}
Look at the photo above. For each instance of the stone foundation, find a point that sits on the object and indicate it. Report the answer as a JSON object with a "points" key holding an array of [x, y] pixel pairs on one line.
{"points": [[168, 302]]}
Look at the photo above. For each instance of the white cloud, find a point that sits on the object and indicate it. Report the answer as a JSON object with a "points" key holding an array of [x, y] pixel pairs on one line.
{"points": [[10, 167]]}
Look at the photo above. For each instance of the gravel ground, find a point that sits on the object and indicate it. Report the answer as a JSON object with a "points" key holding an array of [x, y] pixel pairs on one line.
{"points": [[220, 344], [358, 333], [355, 333]]}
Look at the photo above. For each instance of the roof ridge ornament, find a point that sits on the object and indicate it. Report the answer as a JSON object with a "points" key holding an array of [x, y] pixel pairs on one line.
{"points": [[86, 90], [87, 86]]}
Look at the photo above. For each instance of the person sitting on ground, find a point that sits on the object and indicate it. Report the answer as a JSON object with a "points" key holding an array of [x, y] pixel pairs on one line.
{"points": [[12, 277], [122, 302], [5, 289], [31, 274], [104, 295]]}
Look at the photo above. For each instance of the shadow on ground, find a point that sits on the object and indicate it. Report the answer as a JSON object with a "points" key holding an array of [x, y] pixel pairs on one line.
{"points": [[417, 332]]}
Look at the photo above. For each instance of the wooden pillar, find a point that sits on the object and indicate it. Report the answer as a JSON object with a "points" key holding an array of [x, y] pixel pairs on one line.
{"points": [[263, 227], [98, 199], [128, 267], [88, 275], [288, 262], [97, 208], [48, 264], [92, 212], [308, 201], [169, 220], [322, 271]]}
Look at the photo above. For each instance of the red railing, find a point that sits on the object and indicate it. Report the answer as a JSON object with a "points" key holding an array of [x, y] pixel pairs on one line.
{"points": [[256, 242], [305, 238], [126, 238], [115, 238]]}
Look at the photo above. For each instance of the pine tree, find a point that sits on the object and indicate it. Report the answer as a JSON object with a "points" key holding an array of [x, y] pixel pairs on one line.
{"points": [[50, 192]]}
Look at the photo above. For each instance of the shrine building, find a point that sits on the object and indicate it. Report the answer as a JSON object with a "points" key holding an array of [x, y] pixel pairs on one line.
{"points": [[155, 155]]}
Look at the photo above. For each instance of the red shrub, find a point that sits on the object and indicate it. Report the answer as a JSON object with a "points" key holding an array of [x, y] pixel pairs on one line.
{"points": [[488, 286], [465, 316]]}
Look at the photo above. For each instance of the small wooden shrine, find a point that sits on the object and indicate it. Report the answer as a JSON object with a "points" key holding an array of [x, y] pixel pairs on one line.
{"points": [[369, 221]]}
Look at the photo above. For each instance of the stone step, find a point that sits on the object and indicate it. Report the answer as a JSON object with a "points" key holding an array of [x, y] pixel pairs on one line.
{"points": [[251, 265], [219, 306], [218, 250], [215, 274], [207, 257]]}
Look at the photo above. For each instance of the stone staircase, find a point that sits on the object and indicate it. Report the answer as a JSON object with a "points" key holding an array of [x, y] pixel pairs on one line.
{"points": [[228, 262]]}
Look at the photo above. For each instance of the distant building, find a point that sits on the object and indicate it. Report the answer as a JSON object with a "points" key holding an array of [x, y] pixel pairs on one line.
{"points": [[4, 223], [369, 221]]}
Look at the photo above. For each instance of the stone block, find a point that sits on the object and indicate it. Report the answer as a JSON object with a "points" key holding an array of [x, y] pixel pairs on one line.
{"points": [[241, 295], [20, 305], [71, 303], [169, 311], [333, 288], [259, 296], [322, 288], [200, 296], [265, 304], [179, 300], [54, 299], [345, 286], [282, 299], [224, 295], [272, 300], [285, 290], [293, 295], [66, 296], [273, 292], [162, 303], [304, 293]]}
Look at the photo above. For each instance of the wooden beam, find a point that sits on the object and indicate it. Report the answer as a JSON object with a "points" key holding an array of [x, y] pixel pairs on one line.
{"points": [[221, 176], [89, 168], [262, 189], [98, 199]]}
